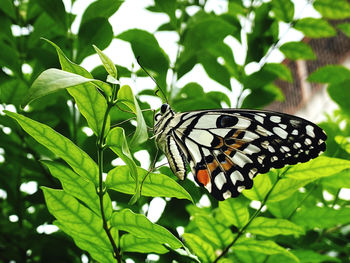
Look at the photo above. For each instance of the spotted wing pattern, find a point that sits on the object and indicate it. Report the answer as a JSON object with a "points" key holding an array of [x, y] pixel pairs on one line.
{"points": [[226, 149]]}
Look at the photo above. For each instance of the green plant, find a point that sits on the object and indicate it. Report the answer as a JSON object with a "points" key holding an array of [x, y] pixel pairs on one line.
{"points": [[288, 225]]}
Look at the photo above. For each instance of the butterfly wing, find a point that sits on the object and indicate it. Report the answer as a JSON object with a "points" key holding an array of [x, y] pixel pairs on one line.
{"points": [[227, 148]]}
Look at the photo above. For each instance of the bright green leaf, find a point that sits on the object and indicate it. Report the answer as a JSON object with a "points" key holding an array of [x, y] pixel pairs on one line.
{"points": [[79, 222], [155, 184], [101, 8], [317, 168], [139, 226], [235, 211], [272, 227], [283, 10], [262, 185], [107, 63], [330, 74], [126, 96], [338, 180], [130, 243], [92, 105], [345, 28], [315, 28], [321, 217], [200, 247], [340, 92], [297, 50], [280, 70], [80, 188], [80, 161], [310, 256], [266, 247], [217, 233], [331, 9]]}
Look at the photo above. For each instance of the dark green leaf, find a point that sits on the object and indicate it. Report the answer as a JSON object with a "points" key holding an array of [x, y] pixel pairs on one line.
{"points": [[98, 32], [145, 45], [281, 71], [283, 10], [258, 98], [215, 70], [13, 91], [315, 28], [8, 7], [101, 8], [339, 9], [56, 10], [310, 256], [297, 50]]}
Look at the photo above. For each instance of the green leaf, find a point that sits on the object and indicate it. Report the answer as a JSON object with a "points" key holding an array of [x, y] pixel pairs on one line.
{"points": [[78, 221], [9, 8], [272, 227], [285, 187], [266, 247], [217, 233], [130, 243], [139, 226], [200, 247], [339, 92], [80, 188], [317, 168], [126, 96], [92, 105], [13, 91], [313, 257], [52, 80], [101, 8], [338, 180], [107, 63], [321, 217], [80, 161], [283, 10], [215, 70], [345, 28], [297, 50], [262, 185], [153, 57], [260, 97], [117, 142], [284, 208], [330, 74], [315, 28], [235, 211], [97, 31], [331, 9], [56, 10], [280, 70], [155, 184]]}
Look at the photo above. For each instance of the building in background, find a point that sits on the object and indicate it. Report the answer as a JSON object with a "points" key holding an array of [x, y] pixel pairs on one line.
{"points": [[310, 100]]}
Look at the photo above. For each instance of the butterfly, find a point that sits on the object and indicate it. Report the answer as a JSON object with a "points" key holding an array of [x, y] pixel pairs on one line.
{"points": [[227, 148]]}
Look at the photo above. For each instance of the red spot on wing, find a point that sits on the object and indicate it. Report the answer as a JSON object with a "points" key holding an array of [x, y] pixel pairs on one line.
{"points": [[203, 177]]}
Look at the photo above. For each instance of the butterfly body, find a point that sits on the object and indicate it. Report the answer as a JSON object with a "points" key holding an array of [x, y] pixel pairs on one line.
{"points": [[227, 148]]}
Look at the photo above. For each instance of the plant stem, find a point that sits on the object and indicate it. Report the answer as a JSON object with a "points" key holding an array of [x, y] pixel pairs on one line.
{"points": [[101, 192], [242, 230]]}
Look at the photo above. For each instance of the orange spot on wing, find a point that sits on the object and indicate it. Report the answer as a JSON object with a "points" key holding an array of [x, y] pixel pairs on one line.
{"points": [[212, 166], [227, 164], [203, 177], [235, 135], [237, 144]]}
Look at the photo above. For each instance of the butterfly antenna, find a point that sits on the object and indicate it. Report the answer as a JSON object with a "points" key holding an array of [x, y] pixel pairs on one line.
{"points": [[159, 88]]}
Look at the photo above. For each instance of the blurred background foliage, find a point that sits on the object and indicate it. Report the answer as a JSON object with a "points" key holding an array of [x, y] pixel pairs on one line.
{"points": [[201, 40]]}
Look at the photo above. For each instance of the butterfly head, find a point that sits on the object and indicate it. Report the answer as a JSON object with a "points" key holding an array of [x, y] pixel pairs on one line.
{"points": [[162, 117]]}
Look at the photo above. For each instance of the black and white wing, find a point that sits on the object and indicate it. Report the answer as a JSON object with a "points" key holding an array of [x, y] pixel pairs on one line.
{"points": [[227, 148]]}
